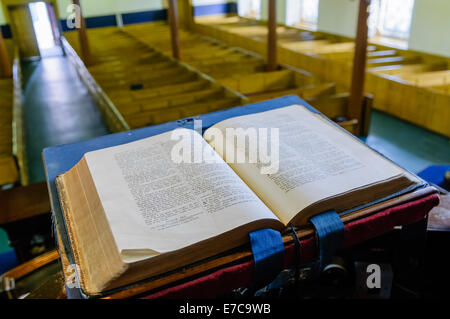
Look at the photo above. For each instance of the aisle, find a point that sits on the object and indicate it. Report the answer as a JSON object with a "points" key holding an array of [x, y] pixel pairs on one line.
{"points": [[57, 110]]}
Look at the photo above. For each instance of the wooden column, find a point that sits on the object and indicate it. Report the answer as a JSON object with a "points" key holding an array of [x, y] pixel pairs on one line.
{"points": [[359, 66], [82, 35], [5, 63], [272, 37], [173, 20]]}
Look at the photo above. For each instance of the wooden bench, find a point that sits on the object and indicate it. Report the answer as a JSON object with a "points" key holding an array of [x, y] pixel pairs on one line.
{"points": [[241, 70]]}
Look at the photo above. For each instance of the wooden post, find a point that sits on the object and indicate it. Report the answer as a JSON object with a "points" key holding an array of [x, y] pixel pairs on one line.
{"points": [[359, 66], [173, 20], [82, 35], [5, 63], [272, 37]]}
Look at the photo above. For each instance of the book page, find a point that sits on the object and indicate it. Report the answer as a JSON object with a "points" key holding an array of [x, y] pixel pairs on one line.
{"points": [[313, 160], [155, 205]]}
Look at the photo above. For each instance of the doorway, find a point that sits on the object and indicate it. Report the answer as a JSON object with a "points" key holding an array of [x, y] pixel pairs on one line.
{"points": [[46, 28]]}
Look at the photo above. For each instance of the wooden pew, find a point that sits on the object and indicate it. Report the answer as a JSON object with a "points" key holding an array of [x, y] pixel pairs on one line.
{"points": [[235, 71], [442, 88]]}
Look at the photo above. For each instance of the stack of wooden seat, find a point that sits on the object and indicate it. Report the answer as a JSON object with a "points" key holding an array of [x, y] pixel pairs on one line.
{"points": [[147, 86], [407, 84]]}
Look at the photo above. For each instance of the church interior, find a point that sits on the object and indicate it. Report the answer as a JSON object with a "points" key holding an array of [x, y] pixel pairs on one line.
{"points": [[76, 71]]}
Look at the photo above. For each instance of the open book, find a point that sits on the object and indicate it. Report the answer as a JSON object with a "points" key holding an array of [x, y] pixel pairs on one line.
{"points": [[150, 206]]}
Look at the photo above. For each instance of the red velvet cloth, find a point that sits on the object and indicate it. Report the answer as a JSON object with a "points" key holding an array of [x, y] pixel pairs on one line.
{"points": [[228, 278]]}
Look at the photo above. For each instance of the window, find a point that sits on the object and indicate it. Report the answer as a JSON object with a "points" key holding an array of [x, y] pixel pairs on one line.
{"points": [[302, 12], [390, 18], [249, 8]]}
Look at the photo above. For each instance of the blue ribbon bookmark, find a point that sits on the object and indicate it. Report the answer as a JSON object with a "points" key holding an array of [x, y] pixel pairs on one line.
{"points": [[330, 234], [268, 255]]}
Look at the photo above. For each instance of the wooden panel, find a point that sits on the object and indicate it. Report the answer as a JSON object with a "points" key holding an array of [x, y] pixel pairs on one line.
{"points": [[245, 76], [148, 86], [18, 139]]}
